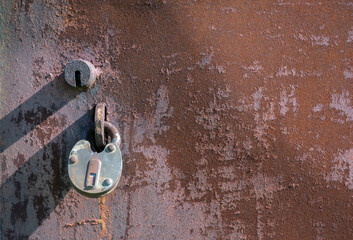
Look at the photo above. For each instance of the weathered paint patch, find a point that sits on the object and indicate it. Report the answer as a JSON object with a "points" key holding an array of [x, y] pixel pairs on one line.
{"points": [[350, 36], [288, 99], [342, 170], [317, 108], [342, 103], [348, 73]]}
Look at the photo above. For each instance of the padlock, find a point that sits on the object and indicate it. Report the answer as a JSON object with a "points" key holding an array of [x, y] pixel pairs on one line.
{"points": [[96, 174]]}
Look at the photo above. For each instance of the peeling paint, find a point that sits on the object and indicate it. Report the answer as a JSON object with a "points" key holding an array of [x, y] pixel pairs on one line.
{"points": [[342, 171], [348, 74], [286, 99], [317, 108], [342, 103], [350, 36]]}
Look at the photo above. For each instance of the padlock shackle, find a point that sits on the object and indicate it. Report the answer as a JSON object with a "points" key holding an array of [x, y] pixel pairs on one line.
{"points": [[113, 132]]}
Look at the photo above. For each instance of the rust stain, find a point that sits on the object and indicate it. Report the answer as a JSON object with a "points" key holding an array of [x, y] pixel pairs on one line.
{"points": [[102, 220], [103, 214], [87, 221]]}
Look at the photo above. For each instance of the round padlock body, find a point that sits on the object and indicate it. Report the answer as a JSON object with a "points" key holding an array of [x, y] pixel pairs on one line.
{"points": [[94, 174]]}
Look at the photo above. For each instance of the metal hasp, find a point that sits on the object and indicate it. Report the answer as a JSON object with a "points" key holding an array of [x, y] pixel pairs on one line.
{"points": [[80, 73], [95, 174]]}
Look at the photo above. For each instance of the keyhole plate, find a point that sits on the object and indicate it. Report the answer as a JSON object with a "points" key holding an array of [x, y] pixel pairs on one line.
{"points": [[80, 73]]}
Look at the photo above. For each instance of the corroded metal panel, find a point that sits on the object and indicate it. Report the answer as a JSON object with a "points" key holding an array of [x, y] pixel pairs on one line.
{"points": [[236, 118]]}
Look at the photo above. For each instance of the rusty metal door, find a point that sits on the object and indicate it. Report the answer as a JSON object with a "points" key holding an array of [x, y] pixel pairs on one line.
{"points": [[236, 118]]}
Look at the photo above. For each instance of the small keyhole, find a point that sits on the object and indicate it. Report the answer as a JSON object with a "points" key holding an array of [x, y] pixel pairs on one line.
{"points": [[78, 78], [92, 179]]}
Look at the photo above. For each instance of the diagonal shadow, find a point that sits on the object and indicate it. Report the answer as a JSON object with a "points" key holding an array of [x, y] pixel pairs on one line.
{"points": [[36, 188], [35, 110]]}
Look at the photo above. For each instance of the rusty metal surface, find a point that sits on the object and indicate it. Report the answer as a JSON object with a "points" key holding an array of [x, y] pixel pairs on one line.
{"points": [[235, 116]]}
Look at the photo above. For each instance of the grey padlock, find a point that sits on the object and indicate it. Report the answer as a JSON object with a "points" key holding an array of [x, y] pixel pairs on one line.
{"points": [[80, 73], [95, 174]]}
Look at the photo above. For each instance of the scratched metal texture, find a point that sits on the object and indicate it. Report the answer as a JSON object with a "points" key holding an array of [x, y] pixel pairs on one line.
{"points": [[236, 118]]}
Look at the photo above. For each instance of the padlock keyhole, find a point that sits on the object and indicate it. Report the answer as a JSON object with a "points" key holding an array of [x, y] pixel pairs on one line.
{"points": [[78, 78], [92, 179]]}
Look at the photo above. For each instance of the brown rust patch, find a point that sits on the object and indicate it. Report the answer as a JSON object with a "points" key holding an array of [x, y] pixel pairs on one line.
{"points": [[87, 221], [102, 220]]}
